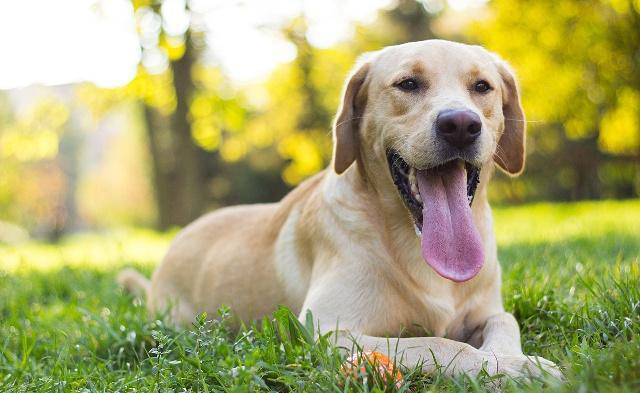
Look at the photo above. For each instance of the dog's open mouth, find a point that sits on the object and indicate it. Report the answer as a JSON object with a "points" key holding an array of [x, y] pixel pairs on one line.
{"points": [[439, 200], [405, 179]]}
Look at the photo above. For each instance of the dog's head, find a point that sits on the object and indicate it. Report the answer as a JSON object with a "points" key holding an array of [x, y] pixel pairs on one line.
{"points": [[430, 115]]}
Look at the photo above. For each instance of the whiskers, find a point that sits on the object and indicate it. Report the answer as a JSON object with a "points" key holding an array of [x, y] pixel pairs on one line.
{"points": [[349, 120], [523, 121], [400, 165], [500, 153]]}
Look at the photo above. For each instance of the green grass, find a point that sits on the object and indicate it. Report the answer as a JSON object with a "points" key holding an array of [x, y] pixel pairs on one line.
{"points": [[571, 277]]}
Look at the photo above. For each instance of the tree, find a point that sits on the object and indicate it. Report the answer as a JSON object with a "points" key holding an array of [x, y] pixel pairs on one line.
{"points": [[178, 163], [579, 66]]}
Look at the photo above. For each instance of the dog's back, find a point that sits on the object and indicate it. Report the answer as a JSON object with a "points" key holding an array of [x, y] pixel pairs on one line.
{"points": [[226, 257]]}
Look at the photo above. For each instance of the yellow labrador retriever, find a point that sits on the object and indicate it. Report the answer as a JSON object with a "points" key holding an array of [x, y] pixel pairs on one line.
{"points": [[396, 238]]}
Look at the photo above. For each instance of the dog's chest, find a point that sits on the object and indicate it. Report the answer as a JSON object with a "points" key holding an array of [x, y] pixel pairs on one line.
{"points": [[432, 305], [430, 312]]}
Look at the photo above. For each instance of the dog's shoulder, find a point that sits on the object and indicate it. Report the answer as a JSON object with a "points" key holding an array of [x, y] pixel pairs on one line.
{"points": [[297, 198]]}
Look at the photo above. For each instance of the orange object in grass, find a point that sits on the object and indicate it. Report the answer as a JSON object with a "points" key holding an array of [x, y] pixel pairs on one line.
{"points": [[378, 362]]}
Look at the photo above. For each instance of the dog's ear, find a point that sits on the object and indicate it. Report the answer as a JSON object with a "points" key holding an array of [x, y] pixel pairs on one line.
{"points": [[345, 129], [510, 154]]}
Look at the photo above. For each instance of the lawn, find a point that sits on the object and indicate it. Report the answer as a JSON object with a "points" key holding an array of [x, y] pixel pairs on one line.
{"points": [[571, 277]]}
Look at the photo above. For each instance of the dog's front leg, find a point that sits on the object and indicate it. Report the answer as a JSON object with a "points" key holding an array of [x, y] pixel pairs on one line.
{"points": [[501, 336], [434, 354], [429, 352]]}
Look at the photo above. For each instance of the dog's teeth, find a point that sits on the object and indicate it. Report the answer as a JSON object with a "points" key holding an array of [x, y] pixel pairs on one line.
{"points": [[413, 184], [412, 180]]}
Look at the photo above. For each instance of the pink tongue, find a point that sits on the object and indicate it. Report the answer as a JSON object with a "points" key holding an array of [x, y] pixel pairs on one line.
{"points": [[451, 243]]}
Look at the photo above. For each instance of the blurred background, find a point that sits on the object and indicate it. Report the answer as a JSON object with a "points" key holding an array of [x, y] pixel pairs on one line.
{"points": [[119, 113]]}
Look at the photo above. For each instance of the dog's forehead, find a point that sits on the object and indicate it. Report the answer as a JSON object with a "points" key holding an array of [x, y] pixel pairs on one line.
{"points": [[432, 57]]}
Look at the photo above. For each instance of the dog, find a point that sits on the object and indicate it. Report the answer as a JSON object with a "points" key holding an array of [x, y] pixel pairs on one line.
{"points": [[392, 246]]}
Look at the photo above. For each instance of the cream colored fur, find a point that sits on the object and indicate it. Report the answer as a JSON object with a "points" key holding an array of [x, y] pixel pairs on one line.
{"points": [[343, 245]]}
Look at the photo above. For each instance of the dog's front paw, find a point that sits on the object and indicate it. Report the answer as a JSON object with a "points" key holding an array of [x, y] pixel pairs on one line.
{"points": [[525, 366]]}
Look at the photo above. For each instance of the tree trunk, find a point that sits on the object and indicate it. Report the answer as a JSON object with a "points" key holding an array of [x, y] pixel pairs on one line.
{"points": [[586, 161], [176, 159], [189, 176], [162, 163]]}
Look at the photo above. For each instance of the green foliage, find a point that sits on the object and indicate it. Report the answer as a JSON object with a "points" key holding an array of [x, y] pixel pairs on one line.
{"points": [[301, 134], [32, 183], [578, 65], [571, 278]]}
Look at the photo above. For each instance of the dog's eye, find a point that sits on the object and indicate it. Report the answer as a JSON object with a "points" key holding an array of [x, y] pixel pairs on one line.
{"points": [[408, 84], [482, 86]]}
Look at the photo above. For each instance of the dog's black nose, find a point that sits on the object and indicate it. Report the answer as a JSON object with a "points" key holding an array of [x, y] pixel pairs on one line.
{"points": [[459, 127]]}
